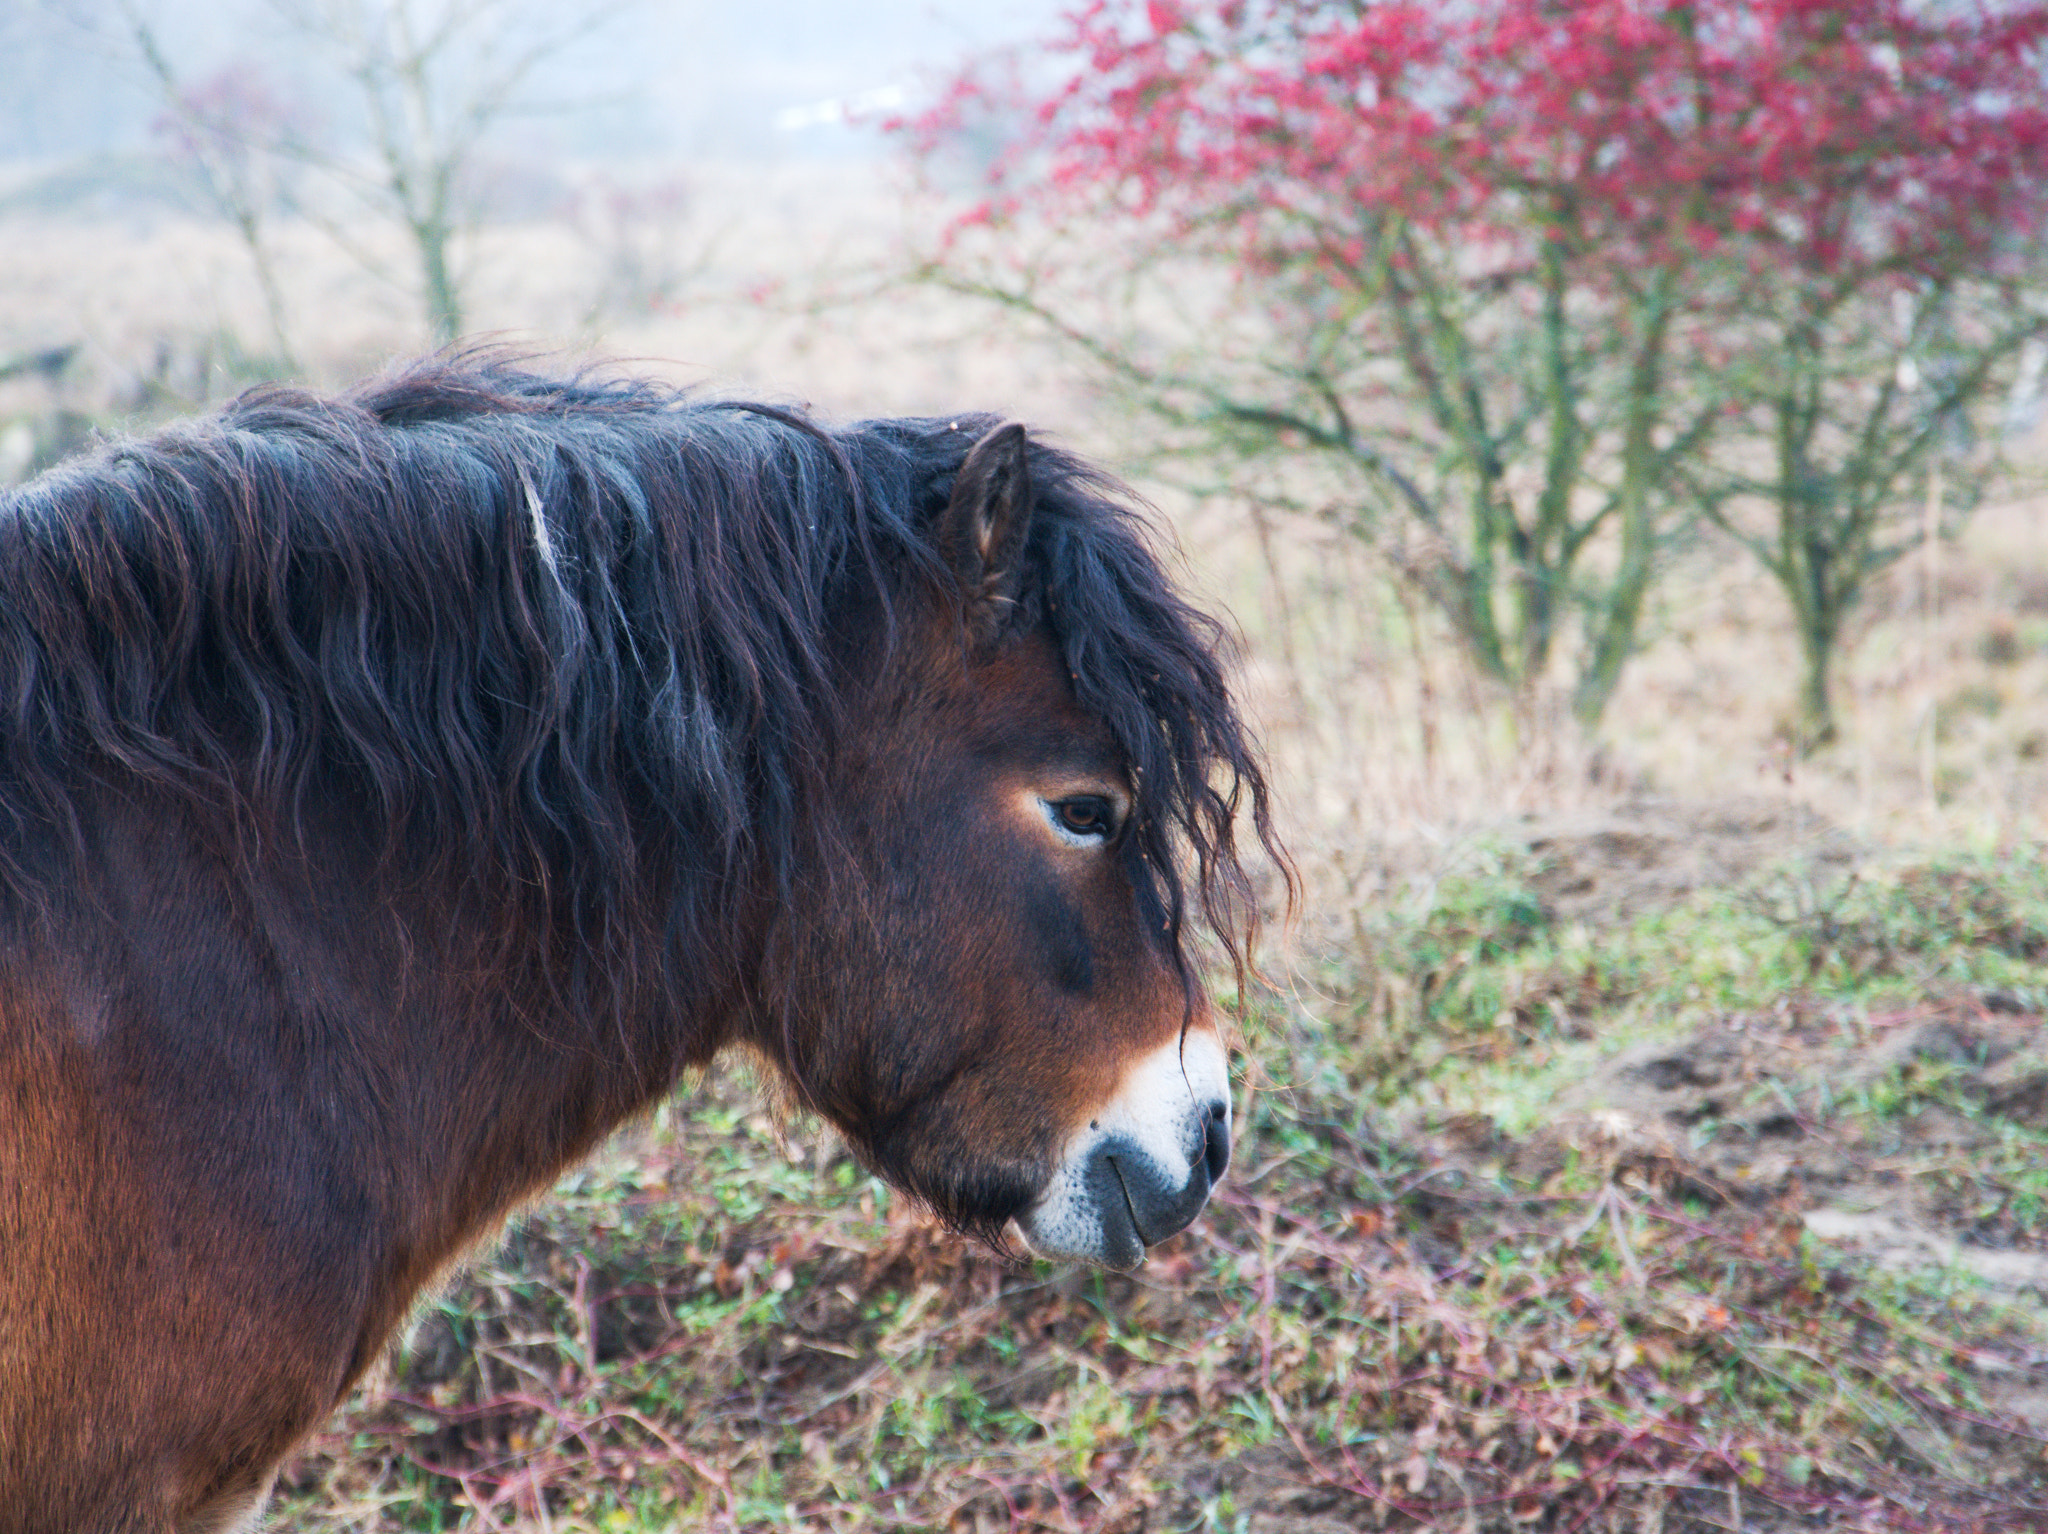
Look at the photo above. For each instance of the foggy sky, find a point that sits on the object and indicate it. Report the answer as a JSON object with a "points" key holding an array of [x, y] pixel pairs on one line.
{"points": [[674, 78]]}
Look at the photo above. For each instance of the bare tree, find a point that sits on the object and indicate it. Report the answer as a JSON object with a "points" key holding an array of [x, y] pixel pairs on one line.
{"points": [[1861, 417], [392, 117], [223, 126], [432, 81]]}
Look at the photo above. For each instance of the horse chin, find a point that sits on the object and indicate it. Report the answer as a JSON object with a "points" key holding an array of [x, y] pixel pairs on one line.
{"points": [[1143, 1167]]}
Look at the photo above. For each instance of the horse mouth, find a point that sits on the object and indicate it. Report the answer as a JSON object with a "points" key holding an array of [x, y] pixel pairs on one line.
{"points": [[1143, 1169], [1106, 1208], [1145, 1164], [1130, 1208]]}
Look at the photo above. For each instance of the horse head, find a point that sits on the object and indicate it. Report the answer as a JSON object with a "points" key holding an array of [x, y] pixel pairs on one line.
{"points": [[994, 1002]]}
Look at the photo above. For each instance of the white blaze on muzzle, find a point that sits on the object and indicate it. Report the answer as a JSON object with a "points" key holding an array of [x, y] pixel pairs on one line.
{"points": [[1142, 1168]]}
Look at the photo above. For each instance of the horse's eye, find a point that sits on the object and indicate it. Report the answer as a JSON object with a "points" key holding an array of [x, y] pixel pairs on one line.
{"points": [[1086, 815]]}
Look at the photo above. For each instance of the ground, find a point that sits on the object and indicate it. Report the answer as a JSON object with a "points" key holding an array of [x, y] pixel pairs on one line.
{"points": [[1681, 1168]]}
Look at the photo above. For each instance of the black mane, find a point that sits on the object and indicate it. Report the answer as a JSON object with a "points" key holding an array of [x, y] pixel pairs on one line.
{"points": [[568, 644]]}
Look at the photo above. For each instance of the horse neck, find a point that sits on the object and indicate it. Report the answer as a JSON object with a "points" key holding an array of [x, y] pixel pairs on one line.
{"points": [[295, 1009]]}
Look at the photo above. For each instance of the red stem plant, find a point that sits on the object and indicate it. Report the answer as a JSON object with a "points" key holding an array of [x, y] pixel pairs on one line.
{"points": [[1514, 281]]}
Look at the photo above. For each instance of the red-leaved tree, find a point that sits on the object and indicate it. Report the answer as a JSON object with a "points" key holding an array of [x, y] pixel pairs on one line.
{"points": [[1493, 267], [1896, 182]]}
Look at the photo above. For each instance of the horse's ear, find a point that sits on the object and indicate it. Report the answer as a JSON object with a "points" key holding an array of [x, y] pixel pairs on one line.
{"points": [[982, 532]]}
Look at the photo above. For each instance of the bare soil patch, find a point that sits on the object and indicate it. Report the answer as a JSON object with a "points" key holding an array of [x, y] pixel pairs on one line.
{"points": [[1611, 864]]}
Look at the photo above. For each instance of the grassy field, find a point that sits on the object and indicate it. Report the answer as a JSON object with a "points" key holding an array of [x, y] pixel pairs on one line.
{"points": [[1641, 1134], [1726, 1213]]}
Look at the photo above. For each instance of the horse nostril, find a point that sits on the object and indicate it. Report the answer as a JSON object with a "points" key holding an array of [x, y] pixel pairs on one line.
{"points": [[1219, 1110], [1216, 1143]]}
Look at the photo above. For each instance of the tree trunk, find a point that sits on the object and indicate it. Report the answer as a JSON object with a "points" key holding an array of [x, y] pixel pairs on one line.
{"points": [[1821, 587], [249, 223], [444, 303], [1621, 613], [1815, 722], [1615, 640]]}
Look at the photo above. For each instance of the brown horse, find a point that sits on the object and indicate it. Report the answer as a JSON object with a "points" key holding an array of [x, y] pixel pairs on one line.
{"points": [[400, 790]]}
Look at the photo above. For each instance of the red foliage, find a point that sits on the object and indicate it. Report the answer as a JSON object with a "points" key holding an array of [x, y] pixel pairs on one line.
{"points": [[1821, 133]]}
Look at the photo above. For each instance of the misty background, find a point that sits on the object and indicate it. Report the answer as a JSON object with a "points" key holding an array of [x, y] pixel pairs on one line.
{"points": [[195, 197], [670, 78]]}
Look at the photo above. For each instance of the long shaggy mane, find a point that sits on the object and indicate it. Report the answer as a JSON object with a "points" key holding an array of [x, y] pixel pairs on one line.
{"points": [[566, 644]]}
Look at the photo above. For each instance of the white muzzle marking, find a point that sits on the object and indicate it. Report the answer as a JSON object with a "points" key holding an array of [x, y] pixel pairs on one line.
{"points": [[1143, 1166]]}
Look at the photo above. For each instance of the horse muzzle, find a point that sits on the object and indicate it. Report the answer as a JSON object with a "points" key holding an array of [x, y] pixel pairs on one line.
{"points": [[1142, 1169]]}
